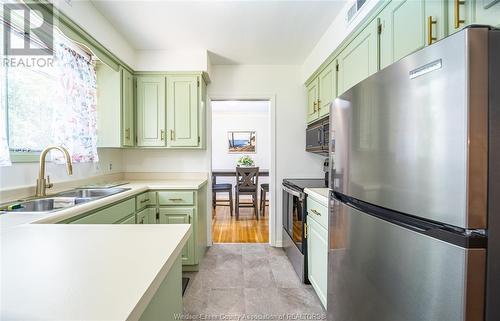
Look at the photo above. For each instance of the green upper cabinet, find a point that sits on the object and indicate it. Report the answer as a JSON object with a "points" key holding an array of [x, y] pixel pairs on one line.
{"points": [[170, 110], [487, 12], [460, 14], [150, 111], [108, 106], [312, 101], [327, 88], [407, 26], [182, 111], [359, 59], [127, 85]]}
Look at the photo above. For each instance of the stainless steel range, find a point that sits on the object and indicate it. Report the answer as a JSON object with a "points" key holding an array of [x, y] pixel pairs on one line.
{"points": [[294, 218]]}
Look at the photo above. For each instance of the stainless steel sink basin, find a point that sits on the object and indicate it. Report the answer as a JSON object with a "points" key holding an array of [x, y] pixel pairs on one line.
{"points": [[48, 204], [92, 192], [60, 201]]}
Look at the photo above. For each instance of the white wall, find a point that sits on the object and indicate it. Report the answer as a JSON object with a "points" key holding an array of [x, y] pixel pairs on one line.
{"points": [[172, 60], [161, 160], [89, 18], [240, 119], [334, 35], [285, 84], [25, 174]]}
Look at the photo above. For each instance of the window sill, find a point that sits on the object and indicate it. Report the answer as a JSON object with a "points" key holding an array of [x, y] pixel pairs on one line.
{"points": [[24, 157]]}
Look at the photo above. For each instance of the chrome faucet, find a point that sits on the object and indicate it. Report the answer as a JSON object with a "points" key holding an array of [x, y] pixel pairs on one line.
{"points": [[41, 183]]}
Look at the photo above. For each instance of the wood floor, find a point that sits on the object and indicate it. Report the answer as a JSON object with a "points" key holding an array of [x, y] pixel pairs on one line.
{"points": [[247, 229]]}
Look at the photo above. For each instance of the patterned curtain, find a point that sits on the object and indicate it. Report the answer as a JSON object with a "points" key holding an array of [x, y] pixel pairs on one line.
{"points": [[75, 118]]}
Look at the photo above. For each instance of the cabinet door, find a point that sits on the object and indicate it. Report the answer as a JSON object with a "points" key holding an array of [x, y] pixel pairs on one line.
{"points": [[436, 26], [146, 216], [460, 14], [317, 257], [359, 59], [150, 111], [127, 84], [487, 12], [312, 101], [183, 215], [129, 220], [403, 30], [182, 111], [327, 88]]}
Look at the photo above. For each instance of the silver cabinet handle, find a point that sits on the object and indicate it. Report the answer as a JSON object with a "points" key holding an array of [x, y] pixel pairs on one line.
{"points": [[175, 199], [145, 200], [316, 212]]}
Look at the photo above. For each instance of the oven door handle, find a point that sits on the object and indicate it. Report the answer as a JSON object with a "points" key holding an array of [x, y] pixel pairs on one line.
{"points": [[292, 192]]}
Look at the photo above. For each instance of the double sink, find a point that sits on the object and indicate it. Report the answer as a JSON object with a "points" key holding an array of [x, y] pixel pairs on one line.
{"points": [[60, 201]]}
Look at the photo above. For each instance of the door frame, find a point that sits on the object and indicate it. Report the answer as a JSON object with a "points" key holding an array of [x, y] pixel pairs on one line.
{"points": [[272, 170]]}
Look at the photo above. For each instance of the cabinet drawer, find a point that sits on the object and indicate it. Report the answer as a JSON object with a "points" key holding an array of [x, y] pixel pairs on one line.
{"points": [[176, 198], [110, 215], [317, 211], [145, 199]]}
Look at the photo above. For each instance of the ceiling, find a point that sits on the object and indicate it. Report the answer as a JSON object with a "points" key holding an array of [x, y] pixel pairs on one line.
{"points": [[234, 32]]}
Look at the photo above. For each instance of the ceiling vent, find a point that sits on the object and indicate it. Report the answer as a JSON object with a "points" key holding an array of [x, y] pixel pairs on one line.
{"points": [[354, 9]]}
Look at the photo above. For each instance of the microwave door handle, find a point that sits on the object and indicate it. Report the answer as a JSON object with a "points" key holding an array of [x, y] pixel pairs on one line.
{"points": [[292, 192]]}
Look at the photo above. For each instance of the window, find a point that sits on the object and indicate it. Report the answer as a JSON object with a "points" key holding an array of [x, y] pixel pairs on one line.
{"points": [[51, 102]]}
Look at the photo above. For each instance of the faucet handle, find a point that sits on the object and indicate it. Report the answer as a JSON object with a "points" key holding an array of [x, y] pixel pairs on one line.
{"points": [[48, 184]]}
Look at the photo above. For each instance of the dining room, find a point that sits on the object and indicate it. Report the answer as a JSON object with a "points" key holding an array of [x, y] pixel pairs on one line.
{"points": [[241, 153]]}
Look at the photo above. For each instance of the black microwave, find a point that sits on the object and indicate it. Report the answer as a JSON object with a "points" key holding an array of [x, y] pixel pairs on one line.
{"points": [[318, 136]]}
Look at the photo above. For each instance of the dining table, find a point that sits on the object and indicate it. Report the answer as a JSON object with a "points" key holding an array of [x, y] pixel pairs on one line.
{"points": [[232, 173]]}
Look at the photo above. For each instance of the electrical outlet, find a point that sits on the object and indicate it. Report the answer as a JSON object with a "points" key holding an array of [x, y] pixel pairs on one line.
{"points": [[110, 166]]}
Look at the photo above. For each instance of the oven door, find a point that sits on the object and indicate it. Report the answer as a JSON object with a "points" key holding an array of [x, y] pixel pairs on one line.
{"points": [[293, 216]]}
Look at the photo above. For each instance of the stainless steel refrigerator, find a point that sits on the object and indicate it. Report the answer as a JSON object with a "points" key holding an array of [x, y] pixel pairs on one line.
{"points": [[414, 217]]}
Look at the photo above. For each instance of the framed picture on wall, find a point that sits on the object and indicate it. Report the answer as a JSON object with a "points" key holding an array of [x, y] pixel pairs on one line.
{"points": [[242, 142]]}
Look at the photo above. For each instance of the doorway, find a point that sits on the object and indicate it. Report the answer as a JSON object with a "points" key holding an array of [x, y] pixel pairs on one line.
{"points": [[241, 144]]}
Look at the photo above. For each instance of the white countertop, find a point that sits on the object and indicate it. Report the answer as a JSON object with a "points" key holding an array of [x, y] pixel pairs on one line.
{"points": [[135, 187], [86, 271], [319, 194]]}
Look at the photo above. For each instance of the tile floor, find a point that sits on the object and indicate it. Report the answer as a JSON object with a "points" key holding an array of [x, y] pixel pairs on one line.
{"points": [[254, 281]]}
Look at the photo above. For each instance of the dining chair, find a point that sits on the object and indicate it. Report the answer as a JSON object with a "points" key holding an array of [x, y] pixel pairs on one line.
{"points": [[264, 189], [222, 188], [247, 182]]}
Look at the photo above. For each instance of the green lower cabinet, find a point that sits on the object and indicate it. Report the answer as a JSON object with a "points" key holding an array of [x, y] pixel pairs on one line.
{"points": [[317, 257], [109, 215], [146, 216], [129, 220], [178, 215], [166, 304]]}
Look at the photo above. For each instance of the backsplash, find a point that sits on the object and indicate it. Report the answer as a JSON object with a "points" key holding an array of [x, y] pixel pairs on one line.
{"points": [[25, 174]]}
